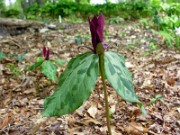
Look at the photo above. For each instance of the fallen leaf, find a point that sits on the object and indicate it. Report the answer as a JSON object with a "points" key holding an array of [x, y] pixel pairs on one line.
{"points": [[37, 125], [89, 121], [113, 109], [171, 81], [178, 110], [92, 111], [135, 129], [4, 122], [30, 91], [129, 65], [137, 112], [7, 101]]}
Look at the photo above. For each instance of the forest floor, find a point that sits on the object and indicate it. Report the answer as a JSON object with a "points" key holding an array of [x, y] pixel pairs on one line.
{"points": [[155, 69]]}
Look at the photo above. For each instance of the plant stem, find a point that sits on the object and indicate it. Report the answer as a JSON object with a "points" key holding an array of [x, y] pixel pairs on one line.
{"points": [[101, 66]]}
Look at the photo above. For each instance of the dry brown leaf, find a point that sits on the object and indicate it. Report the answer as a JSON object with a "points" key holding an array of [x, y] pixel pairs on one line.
{"points": [[171, 81], [4, 122], [147, 84], [70, 120], [35, 129], [30, 91], [7, 101], [178, 109], [103, 129], [129, 65], [137, 112], [37, 125], [80, 111], [113, 109], [136, 129], [172, 115], [88, 121], [114, 132], [92, 111]]}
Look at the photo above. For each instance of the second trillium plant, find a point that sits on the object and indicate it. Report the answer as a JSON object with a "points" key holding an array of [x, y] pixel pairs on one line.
{"points": [[77, 82], [47, 65]]}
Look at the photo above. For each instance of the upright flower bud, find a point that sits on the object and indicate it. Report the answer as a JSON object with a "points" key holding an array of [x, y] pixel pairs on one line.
{"points": [[46, 53], [97, 27]]}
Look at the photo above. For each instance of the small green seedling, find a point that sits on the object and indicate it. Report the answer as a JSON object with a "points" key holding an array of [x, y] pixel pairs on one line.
{"points": [[16, 71], [156, 98]]}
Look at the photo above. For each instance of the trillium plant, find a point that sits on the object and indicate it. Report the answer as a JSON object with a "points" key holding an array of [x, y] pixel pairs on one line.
{"points": [[78, 80], [46, 65]]}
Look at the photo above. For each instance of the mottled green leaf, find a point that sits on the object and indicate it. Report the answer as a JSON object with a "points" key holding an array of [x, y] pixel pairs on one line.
{"points": [[49, 70], [119, 76], [75, 85], [60, 61]]}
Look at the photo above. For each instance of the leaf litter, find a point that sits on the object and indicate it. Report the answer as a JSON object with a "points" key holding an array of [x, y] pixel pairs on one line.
{"points": [[154, 72]]}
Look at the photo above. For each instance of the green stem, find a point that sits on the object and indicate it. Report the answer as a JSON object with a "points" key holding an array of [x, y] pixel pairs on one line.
{"points": [[101, 65]]}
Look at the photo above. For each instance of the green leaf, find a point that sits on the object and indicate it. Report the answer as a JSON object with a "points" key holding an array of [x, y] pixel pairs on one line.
{"points": [[158, 96], [119, 76], [12, 55], [37, 64], [75, 85], [153, 100], [11, 67], [60, 61], [39, 59], [1, 56], [49, 70], [143, 110], [21, 57]]}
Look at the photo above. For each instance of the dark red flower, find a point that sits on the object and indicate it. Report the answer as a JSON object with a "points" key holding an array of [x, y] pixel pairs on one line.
{"points": [[46, 53], [97, 28]]}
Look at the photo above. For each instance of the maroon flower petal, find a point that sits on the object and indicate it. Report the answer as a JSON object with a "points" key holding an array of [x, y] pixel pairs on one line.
{"points": [[94, 20], [96, 28], [92, 24], [47, 54], [44, 51], [100, 27]]}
